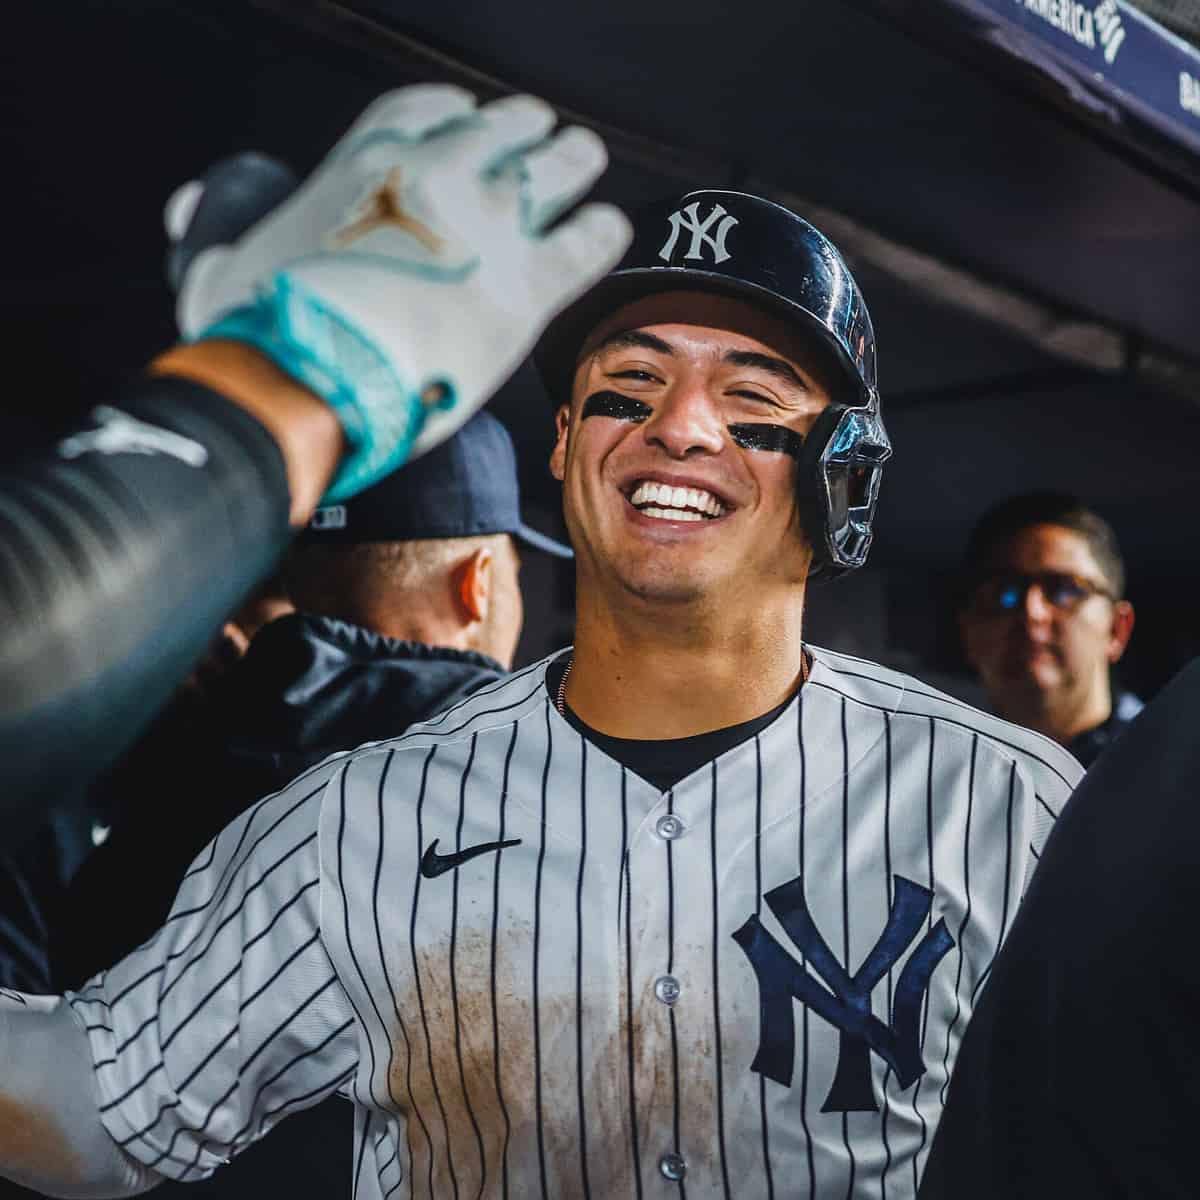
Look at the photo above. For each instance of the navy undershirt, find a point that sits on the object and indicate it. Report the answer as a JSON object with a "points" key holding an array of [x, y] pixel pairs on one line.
{"points": [[664, 762]]}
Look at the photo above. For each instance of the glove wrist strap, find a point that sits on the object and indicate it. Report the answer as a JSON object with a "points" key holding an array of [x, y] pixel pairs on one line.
{"points": [[381, 414]]}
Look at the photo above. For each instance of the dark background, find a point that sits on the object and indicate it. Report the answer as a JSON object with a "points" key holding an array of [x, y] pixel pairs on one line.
{"points": [[1033, 274]]}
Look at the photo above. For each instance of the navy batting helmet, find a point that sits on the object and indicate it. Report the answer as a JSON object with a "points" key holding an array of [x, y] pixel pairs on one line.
{"points": [[755, 249]]}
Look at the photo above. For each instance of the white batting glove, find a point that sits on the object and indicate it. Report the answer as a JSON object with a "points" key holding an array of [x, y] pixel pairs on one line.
{"points": [[409, 276]]}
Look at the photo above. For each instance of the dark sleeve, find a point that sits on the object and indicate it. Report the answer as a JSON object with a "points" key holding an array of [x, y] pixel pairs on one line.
{"points": [[25, 881], [122, 549], [1077, 1073]]}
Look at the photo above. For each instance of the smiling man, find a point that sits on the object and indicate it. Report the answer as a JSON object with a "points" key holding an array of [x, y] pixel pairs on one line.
{"points": [[691, 908]]}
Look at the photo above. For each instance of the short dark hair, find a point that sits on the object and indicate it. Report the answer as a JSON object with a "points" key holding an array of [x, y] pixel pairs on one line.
{"points": [[1001, 523], [350, 579]]}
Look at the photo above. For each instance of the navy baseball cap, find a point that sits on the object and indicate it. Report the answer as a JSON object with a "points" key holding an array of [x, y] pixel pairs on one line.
{"points": [[465, 487]]}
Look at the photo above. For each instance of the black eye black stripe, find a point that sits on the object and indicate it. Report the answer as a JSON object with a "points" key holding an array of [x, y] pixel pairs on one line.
{"points": [[761, 436], [750, 436], [613, 404]]}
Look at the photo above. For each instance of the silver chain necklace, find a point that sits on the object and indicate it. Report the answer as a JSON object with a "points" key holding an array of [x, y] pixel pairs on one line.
{"points": [[560, 700]]}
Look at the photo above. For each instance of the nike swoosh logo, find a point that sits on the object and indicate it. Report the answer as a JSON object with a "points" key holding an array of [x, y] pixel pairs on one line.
{"points": [[434, 864]]}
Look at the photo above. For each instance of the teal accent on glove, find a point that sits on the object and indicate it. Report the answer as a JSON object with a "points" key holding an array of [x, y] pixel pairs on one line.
{"points": [[315, 345]]}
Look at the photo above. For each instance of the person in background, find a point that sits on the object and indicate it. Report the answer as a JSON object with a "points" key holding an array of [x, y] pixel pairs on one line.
{"points": [[1044, 619]]}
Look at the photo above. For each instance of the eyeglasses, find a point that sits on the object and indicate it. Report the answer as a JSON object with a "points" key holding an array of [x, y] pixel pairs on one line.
{"points": [[1005, 591]]}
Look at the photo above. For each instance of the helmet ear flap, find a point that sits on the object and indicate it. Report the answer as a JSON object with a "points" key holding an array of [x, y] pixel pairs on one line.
{"points": [[812, 497], [837, 485]]}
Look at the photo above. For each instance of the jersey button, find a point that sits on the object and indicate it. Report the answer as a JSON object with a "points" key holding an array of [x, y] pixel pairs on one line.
{"points": [[668, 828], [666, 988], [672, 1167]]}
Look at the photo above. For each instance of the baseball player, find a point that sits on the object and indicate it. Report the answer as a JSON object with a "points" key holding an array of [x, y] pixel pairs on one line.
{"points": [[690, 908]]}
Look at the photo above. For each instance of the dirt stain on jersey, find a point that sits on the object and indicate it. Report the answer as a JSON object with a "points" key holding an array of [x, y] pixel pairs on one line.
{"points": [[499, 1088], [501, 1133]]}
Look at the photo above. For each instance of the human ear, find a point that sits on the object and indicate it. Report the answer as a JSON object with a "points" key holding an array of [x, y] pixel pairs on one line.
{"points": [[473, 584], [558, 456], [1121, 630]]}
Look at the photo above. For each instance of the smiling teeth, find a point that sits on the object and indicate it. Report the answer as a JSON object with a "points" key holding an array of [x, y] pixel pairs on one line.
{"points": [[671, 514], [675, 503]]}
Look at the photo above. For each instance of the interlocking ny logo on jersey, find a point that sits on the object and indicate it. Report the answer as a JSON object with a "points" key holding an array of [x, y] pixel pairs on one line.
{"points": [[847, 1002], [689, 219]]}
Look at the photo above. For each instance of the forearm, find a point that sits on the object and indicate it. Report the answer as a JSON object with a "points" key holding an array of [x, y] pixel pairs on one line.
{"points": [[51, 1136], [305, 429], [121, 552]]}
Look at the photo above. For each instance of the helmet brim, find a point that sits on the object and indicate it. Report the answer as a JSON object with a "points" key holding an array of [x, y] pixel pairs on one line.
{"points": [[557, 352]]}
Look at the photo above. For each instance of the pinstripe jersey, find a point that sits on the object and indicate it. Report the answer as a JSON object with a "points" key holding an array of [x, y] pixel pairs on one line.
{"points": [[753, 984]]}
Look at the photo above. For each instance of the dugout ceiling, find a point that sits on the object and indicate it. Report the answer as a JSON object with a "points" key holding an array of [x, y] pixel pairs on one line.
{"points": [[992, 143]]}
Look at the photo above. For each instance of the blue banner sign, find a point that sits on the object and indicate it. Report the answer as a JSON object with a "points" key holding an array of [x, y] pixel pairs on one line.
{"points": [[1114, 50]]}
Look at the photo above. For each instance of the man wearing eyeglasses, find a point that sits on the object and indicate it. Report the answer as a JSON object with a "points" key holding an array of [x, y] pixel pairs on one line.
{"points": [[1044, 619]]}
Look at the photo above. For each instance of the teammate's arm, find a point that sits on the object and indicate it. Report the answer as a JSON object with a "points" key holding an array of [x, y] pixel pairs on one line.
{"points": [[122, 551], [124, 547], [308, 434], [188, 1050]]}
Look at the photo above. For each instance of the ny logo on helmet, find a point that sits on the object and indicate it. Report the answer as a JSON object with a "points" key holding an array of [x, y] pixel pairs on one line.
{"points": [[845, 1001], [689, 219]]}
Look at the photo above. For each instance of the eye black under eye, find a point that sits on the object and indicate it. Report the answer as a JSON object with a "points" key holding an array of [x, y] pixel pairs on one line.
{"points": [[774, 438], [613, 404]]}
